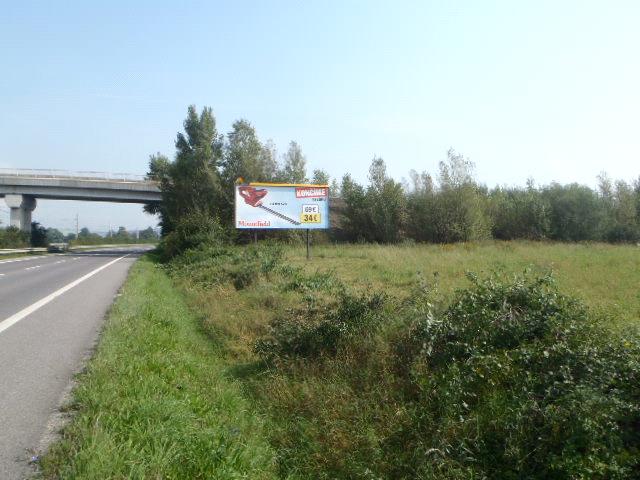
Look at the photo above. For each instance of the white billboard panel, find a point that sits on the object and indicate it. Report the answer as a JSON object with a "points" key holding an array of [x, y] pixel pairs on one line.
{"points": [[264, 205]]}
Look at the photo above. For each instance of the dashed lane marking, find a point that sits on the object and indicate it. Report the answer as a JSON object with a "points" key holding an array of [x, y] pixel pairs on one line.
{"points": [[15, 318]]}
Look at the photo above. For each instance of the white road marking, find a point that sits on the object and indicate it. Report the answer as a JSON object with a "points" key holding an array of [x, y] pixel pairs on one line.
{"points": [[15, 318], [21, 259], [31, 268]]}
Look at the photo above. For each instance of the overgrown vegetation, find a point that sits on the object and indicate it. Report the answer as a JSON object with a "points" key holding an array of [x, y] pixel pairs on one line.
{"points": [[506, 377], [12, 237]]}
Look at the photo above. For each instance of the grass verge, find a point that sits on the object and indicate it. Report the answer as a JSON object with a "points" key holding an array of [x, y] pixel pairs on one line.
{"points": [[155, 401]]}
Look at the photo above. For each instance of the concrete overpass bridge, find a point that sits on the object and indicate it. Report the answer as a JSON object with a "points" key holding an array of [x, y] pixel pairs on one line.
{"points": [[21, 188]]}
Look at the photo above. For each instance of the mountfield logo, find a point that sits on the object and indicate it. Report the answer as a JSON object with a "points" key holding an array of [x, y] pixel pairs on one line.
{"points": [[255, 223], [310, 192]]}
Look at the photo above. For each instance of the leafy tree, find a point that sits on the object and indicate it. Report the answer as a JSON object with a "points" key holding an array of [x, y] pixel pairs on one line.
{"points": [[148, 234], [191, 183], [377, 213], [334, 188], [385, 203], [294, 168], [320, 177], [356, 216], [245, 157], [122, 236], [160, 171], [54, 235], [519, 213], [576, 212], [455, 210], [269, 160], [38, 235], [624, 226]]}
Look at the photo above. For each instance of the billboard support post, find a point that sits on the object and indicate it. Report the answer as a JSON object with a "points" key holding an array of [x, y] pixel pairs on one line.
{"points": [[308, 255]]}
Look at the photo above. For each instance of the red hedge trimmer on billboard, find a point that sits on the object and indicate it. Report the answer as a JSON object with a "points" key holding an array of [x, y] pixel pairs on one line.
{"points": [[254, 196]]}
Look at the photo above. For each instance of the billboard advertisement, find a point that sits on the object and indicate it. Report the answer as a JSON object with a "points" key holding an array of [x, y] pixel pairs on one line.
{"points": [[272, 205]]}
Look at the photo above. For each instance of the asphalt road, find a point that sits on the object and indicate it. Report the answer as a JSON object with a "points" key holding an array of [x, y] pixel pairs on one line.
{"points": [[51, 311]]}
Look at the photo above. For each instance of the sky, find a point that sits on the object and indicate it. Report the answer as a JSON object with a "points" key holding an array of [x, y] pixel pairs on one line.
{"points": [[542, 89]]}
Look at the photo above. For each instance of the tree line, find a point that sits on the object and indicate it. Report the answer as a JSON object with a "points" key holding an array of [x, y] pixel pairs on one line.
{"points": [[451, 206], [40, 236], [454, 207]]}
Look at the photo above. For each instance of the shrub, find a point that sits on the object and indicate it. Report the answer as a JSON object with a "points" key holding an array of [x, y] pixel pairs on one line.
{"points": [[12, 237], [515, 380], [211, 264], [191, 231], [313, 331]]}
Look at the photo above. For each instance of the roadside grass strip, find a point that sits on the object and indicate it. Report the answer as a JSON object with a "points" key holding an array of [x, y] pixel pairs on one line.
{"points": [[155, 401]]}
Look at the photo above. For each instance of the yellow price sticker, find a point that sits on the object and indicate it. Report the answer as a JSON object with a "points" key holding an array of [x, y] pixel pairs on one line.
{"points": [[309, 218]]}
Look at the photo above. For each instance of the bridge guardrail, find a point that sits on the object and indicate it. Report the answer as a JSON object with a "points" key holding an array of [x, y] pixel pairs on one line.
{"points": [[71, 174]]}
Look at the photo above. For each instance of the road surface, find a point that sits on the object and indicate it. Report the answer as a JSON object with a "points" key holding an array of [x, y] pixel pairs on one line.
{"points": [[51, 311]]}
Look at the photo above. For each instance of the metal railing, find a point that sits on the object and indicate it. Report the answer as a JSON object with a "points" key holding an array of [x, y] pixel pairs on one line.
{"points": [[76, 175]]}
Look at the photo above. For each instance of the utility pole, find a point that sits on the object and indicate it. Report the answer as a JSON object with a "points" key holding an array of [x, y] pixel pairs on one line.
{"points": [[77, 231]]}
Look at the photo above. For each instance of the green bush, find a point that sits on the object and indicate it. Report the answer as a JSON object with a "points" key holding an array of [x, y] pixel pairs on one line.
{"points": [[515, 380], [210, 264], [191, 231], [12, 237], [313, 331]]}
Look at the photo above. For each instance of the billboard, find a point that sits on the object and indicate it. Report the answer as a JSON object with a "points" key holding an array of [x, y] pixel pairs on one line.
{"points": [[273, 205]]}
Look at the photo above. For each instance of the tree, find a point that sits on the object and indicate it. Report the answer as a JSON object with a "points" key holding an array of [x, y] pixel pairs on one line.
{"points": [[356, 217], [385, 203], [269, 161], [54, 235], [519, 213], [191, 183], [38, 235], [245, 157], [148, 234], [294, 168], [376, 214], [454, 211], [122, 236], [159, 171], [576, 212], [624, 226], [320, 177]]}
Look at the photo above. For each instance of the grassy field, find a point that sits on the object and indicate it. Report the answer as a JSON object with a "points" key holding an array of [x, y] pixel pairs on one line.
{"points": [[350, 414], [155, 401], [606, 277]]}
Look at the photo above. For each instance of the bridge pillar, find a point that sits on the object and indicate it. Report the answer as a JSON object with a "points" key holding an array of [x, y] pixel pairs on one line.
{"points": [[20, 207]]}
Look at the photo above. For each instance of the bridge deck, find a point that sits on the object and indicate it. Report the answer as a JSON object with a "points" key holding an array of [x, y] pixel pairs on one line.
{"points": [[91, 186]]}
